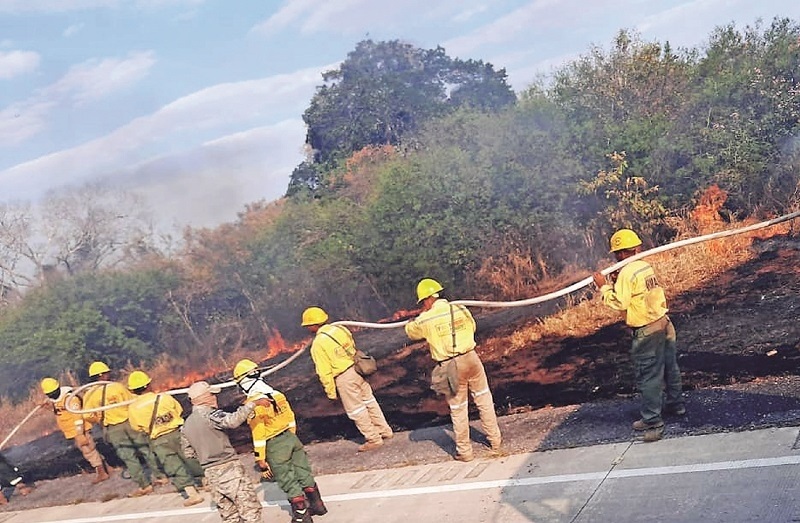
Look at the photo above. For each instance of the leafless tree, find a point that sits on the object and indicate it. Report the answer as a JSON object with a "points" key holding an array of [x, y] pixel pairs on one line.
{"points": [[70, 231]]}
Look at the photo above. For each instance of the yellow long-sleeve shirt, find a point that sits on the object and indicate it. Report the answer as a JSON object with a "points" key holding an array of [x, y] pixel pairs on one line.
{"points": [[436, 326], [106, 395], [332, 350], [267, 422], [638, 293], [168, 418], [70, 424]]}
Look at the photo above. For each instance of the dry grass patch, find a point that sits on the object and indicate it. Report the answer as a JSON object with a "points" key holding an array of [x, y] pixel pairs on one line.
{"points": [[679, 270]]}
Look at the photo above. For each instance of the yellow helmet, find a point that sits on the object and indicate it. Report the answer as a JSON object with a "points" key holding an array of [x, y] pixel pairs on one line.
{"points": [[314, 316], [50, 385], [243, 368], [624, 239], [138, 380], [97, 368], [427, 288]]}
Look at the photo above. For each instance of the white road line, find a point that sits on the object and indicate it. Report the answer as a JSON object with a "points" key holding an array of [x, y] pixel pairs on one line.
{"points": [[480, 485]]}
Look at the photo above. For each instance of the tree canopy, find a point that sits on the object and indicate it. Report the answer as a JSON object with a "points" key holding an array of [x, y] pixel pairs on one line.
{"points": [[383, 91]]}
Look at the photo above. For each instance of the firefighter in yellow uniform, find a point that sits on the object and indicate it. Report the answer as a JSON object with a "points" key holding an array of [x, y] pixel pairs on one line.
{"points": [[73, 426], [275, 444], [636, 291], [129, 445], [333, 351], [158, 416], [450, 333]]}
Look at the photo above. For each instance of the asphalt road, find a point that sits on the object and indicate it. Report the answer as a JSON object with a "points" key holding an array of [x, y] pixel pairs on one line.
{"points": [[727, 477]]}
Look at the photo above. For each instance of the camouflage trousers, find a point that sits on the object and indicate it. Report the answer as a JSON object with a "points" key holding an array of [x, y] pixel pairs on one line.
{"points": [[232, 490], [182, 471]]}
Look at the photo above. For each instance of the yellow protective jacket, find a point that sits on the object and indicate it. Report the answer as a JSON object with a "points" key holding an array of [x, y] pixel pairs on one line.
{"points": [[333, 351], [267, 422], [107, 394], [638, 293], [70, 424], [437, 324], [167, 419]]}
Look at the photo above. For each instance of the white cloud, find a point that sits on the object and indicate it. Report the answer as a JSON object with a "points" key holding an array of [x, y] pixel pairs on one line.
{"points": [[83, 83], [361, 16], [217, 108], [210, 184], [470, 13], [688, 22], [527, 19], [72, 30], [61, 6], [20, 121], [15, 63], [97, 78]]}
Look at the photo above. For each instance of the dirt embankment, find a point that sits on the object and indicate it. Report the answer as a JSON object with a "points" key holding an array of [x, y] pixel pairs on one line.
{"points": [[739, 338]]}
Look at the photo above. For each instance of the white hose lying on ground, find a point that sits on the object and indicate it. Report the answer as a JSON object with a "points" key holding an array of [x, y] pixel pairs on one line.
{"points": [[490, 304]]}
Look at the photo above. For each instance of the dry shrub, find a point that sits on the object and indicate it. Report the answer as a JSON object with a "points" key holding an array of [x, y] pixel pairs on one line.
{"points": [[509, 276], [679, 270]]}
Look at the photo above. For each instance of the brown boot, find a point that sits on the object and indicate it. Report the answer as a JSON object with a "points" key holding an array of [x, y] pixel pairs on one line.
{"points": [[142, 491], [370, 445], [301, 513], [192, 497], [315, 503], [101, 474]]}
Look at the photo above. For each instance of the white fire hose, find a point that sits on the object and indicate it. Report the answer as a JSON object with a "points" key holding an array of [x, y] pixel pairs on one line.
{"points": [[586, 281], [474, 303]]}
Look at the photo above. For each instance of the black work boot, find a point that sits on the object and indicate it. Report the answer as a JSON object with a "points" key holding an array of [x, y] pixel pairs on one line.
{"points": [[315, 501], [301, 513]]}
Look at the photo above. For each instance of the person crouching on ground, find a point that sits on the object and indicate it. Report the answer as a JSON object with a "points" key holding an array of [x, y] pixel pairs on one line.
{"points": [[276, 446], [333, 351], [636, 291], [158, 416], [73, 426], [450, 333], [203, 437], [11, 481]]}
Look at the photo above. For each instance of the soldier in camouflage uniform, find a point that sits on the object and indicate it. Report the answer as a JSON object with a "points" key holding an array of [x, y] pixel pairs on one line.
{"points": [[203, 437]]}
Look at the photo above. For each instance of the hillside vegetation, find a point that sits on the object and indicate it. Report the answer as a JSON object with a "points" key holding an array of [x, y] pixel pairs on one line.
{"points": [[490, 193]]}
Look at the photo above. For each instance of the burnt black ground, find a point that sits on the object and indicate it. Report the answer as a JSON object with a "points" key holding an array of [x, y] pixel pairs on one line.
{"points": [[739, 339]]}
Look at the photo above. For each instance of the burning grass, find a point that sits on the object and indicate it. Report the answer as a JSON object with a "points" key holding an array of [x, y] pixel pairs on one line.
{"points": [[679, 270]]}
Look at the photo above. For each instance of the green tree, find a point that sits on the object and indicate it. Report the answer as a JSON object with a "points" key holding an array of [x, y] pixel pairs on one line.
{"points": [[384, 90]]}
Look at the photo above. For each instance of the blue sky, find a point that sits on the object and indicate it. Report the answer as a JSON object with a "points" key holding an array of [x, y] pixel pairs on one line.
{"points": [[197, 104]]}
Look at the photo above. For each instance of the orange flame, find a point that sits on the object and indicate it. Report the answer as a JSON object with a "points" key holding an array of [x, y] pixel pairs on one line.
{"points": [[180, 382], [276, 345], [706, 213]]}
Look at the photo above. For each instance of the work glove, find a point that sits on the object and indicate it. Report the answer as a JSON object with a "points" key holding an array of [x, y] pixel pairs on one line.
{"points": [[265, 471]]}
